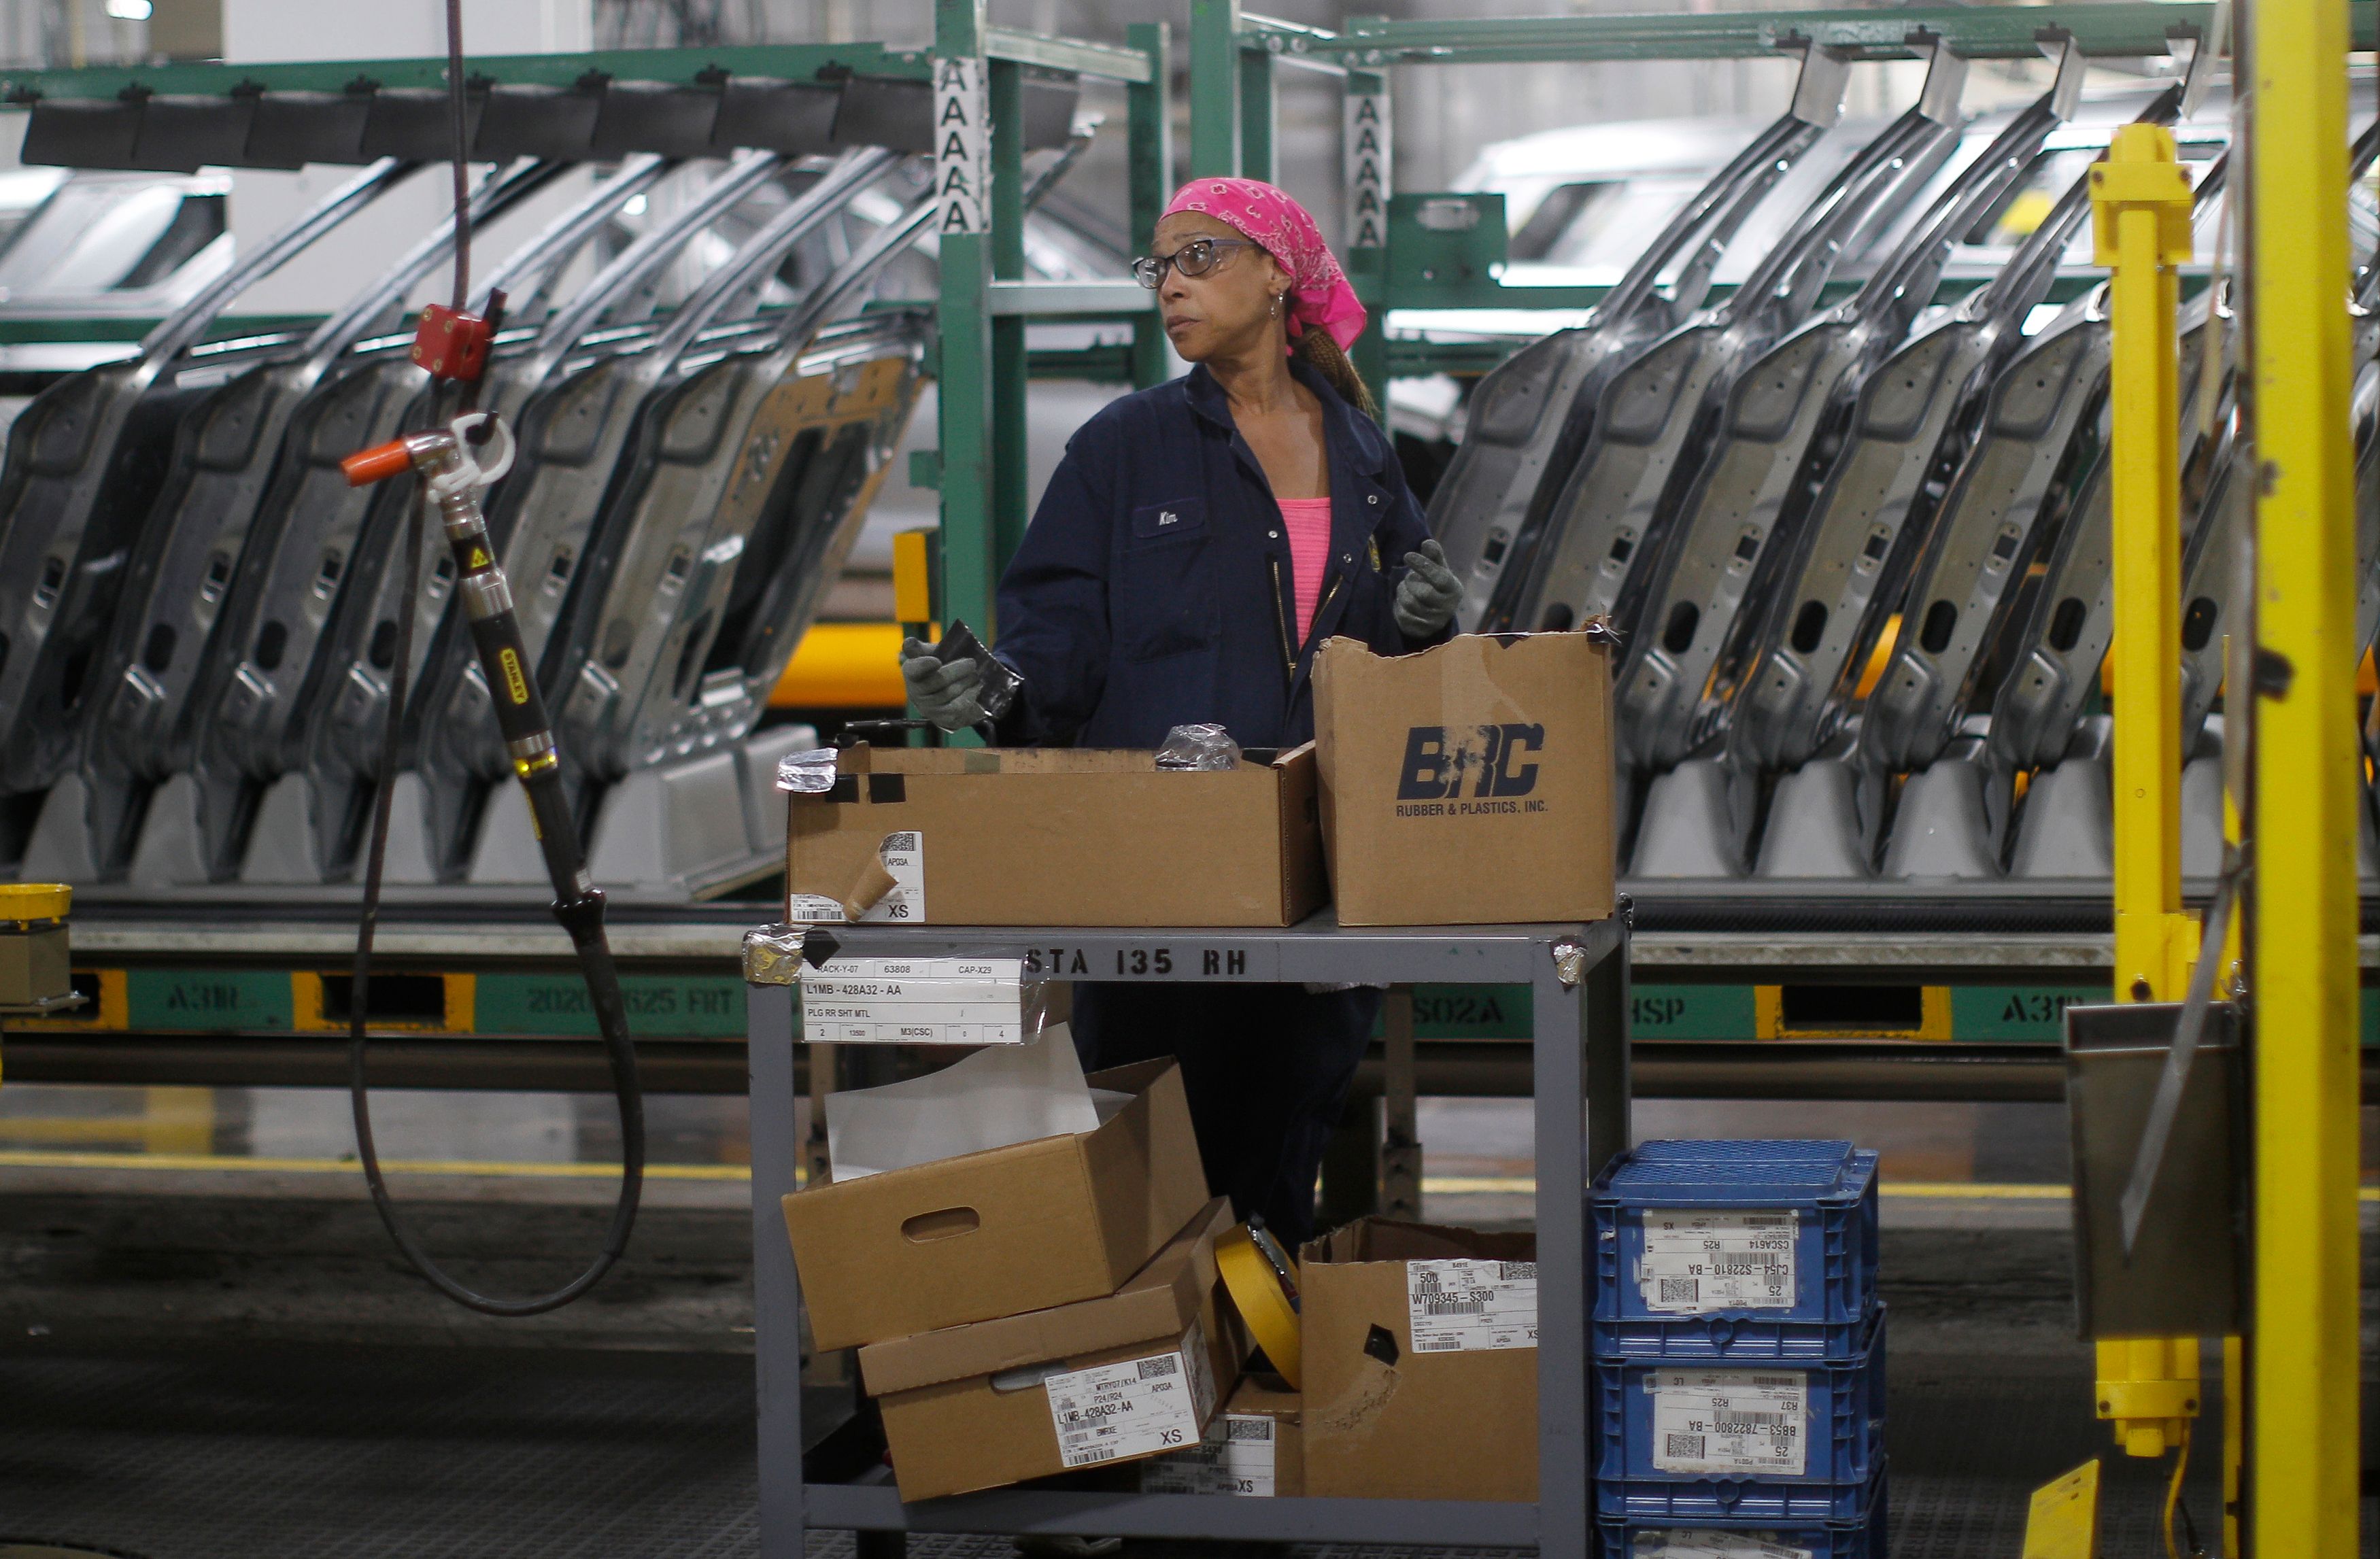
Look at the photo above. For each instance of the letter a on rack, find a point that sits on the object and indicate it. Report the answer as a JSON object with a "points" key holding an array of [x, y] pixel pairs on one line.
{"points": [[963, 145]]}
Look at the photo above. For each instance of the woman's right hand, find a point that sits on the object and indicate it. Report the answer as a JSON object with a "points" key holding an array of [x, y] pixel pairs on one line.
{"points": [[945, 692]]}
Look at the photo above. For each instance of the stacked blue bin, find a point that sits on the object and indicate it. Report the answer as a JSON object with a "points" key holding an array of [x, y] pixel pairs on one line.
{"points": [[1739, 1351]]}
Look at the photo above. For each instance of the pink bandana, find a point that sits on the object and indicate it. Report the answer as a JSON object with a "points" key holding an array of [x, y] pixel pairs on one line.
{"points": [[1318, 291]]}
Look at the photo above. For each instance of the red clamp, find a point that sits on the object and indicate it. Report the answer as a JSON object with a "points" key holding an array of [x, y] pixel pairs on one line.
{"points": [[449, 343]]}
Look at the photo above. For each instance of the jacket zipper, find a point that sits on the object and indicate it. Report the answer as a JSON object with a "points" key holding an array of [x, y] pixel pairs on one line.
{"points": [[1324, 604], [1288, 649]]}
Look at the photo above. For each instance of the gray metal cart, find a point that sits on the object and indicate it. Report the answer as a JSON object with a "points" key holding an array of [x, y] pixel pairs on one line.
{"points": [[1578, 976]]}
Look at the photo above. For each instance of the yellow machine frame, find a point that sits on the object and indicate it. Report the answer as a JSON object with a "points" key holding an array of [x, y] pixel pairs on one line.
{"points": [[2300, 1370]]}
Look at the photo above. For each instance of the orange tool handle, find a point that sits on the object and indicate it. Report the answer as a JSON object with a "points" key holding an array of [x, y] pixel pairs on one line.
{"points": [[377, 464]]}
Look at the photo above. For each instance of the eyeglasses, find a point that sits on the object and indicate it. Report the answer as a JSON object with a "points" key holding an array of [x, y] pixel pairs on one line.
{"points": [[1194, 259]]}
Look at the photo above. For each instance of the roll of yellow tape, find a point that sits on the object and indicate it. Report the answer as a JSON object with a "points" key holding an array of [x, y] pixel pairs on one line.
{"points": [[34, 900], [1266, 1297]]}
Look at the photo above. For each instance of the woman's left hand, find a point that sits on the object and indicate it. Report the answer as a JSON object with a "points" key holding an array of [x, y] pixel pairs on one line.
{"points": [[1428, 593]]}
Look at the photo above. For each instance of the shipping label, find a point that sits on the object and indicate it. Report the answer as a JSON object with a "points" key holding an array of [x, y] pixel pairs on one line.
{"points": [[1132, 1408], [1702, 1542], [915, 1002], [1238, 1457], [904, 903], [1735, 1421], [1459, 1306], [1696, 1262]]}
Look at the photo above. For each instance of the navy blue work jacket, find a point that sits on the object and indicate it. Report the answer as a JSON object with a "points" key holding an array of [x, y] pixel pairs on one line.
{"points": [[1153, 587]]}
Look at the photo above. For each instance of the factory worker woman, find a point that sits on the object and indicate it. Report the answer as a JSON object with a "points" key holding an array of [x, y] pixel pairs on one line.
{"points": [[1195, 548]]}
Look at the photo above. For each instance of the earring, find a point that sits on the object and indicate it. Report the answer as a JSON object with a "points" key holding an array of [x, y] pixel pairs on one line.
{"points": [[1276, 305]]}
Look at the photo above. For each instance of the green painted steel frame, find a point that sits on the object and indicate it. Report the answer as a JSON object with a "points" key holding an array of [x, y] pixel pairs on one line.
{"points": [[1233, 55], [984, 363]]}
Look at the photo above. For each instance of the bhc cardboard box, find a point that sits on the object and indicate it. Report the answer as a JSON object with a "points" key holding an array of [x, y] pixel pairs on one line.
{"points": [[959, 836], [1470, 783], [1253, 1448], [1419, 1361], [1000, 1232], [1134, 1373]]}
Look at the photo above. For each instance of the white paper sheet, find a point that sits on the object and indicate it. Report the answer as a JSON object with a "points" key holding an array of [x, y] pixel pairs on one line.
{"points": [[1007, 1094]]}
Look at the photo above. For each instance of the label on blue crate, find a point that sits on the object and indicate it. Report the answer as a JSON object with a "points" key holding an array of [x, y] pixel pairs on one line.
{"points": [[1110, 1412], [1239, 1456], [1459, 1306], [1703, 1542], [1696, 1261], [1729, 1421]]}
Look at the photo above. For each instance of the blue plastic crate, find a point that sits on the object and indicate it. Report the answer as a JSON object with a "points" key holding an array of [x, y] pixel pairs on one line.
{"points": [[1742, 1150], [1619, 1538], [1726, 1190], [1692, 1441]]}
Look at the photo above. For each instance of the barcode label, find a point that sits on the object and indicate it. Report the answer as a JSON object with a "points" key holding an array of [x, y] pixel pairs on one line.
{"points": [[904, 855], [1136, 1407], [1457, 1306], [1729, 1421], [1237, 1457], [1696, 1261], [1688, 1542]]}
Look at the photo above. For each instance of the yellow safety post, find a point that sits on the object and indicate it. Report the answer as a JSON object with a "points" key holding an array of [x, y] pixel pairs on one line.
{"points": [[2140, 207], [2303, 1434]]}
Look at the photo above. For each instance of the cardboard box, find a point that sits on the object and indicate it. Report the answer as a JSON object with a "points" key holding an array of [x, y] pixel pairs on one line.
{"points": [[1470, 783], [957, 836], [1252, 1448], [1000, 1232], [1128, 1375], [1420, 1363]]}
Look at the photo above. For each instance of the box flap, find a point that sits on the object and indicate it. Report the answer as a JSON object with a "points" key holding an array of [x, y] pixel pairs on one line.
{"points": [[1157, 1303], [1390, 1239]]}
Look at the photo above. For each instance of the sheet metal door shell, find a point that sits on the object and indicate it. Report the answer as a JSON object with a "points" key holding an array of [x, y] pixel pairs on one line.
{"points": [[309, 543], [1985, 535], [1529, 415], [224, 449], [830, 413], [544, 517], [1916, 418], [1652, 415], [1782, 417], [83, 467]]}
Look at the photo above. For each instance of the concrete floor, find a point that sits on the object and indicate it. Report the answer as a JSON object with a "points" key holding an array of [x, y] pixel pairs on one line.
{"points": [[205, 1362]]}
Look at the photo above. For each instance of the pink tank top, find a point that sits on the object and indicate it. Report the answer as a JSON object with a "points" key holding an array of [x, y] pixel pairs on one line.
{"points": [[1307, 521]]}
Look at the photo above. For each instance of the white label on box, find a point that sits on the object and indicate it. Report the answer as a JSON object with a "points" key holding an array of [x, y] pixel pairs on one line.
{"points": [[1729, 1421], [1459, 1306], [915, 1002], [1702, 1542], [1238, 1457], [904, 855], [1696, 1262], [1113, 1411]]}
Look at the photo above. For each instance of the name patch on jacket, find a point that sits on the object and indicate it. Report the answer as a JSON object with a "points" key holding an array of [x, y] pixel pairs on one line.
{"points": [[1157, 522]]}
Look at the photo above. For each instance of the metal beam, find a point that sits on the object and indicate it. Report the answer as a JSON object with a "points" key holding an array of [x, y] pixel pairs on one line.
{"points": [[2148, 1387], [2303, 1367], [1150, 146], [1215, 43], [675, 66], [2125, 28], [964, 379], [1075, 55]]}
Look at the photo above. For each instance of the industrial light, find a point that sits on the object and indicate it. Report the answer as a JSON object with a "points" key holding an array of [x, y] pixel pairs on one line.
{"points": [[634, 207], [128, 10]]}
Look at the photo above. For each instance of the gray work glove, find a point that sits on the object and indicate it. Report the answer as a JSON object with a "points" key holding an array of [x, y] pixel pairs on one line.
{"points": [[948, 692], [1428, 593]]}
